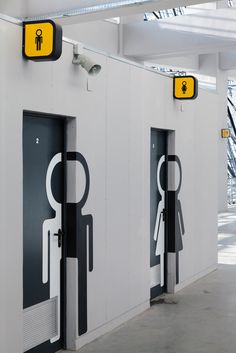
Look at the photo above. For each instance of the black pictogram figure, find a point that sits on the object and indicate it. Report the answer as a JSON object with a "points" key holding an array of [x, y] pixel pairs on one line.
{"points": [[175, 218], [39, 39], [80, 238], [184, 87]]}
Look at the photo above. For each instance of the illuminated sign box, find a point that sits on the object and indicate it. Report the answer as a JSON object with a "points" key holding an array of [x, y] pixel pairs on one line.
{"points": [[225, 133], [42, 40], [185, 87]]}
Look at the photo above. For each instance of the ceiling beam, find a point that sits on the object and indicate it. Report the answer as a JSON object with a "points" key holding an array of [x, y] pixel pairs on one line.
{"points": [[148, 43], [91, 10], [210, 32], [227, 60], [185, 63]]}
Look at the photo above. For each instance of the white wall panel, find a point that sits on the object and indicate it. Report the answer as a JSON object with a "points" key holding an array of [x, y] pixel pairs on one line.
{"points": [[112, 130], [118, 236], [138, 193], [102, 35]]}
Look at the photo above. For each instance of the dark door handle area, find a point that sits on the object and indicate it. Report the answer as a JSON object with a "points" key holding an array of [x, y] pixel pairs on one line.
{"points": [[59, 235], [164, 214]]}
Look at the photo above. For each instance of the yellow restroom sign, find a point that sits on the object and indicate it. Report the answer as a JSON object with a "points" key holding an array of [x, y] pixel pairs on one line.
{"points": [[225, 133], [185, 87], [42, 40]]}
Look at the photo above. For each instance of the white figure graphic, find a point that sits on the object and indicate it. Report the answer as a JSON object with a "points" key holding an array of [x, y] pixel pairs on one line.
{"points": [[51, 227], [159, 230]]}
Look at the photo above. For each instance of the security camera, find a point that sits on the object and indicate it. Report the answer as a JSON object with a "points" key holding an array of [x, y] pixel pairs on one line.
{"points": [[86, 63], [80, 59]]}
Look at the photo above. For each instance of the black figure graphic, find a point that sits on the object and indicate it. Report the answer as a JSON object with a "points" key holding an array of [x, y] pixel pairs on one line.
{"points": [[80, 237], [184, 87], [39, 39], [175, 219]]}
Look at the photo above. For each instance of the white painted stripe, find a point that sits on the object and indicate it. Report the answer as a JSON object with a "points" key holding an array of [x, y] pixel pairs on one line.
{"points": [[162, 270], [57, 207], [55, 160], [52, 226], [159, 232]]}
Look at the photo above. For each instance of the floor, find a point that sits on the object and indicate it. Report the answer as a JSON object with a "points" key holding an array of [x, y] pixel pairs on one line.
{"points": [[199, 319]]}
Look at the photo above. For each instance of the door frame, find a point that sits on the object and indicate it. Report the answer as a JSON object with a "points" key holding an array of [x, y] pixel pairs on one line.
{"points": [[167, 133], [35, 114]]}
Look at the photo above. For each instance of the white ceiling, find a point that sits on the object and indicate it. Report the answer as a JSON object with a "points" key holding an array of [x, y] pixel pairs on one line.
{"points": [[203, 31], [86, 9], [200, 33]]}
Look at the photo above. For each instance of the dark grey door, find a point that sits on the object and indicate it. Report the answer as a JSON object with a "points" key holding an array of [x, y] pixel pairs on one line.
{"points": [[43, 193], [158, 186]]}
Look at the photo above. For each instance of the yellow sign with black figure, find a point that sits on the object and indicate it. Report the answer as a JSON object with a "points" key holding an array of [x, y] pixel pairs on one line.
{"points": [[42, 40], [185, 87], [225, 133]]}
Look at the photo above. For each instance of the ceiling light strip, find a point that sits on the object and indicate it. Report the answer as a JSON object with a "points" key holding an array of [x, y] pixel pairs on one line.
{"points": [[89, 10]]}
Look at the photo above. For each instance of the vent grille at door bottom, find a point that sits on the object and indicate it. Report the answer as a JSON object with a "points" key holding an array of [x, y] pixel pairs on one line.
{"points": [[40, 323]]}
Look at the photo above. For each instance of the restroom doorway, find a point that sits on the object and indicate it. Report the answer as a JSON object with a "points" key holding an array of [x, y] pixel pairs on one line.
{"points": [[43, 232], [158, 212]]}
